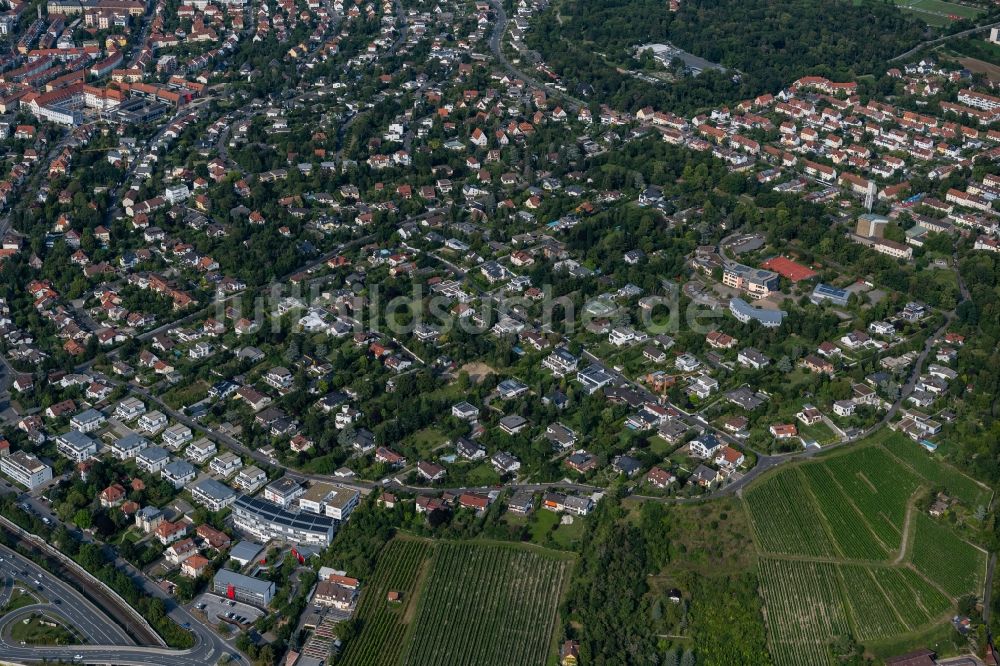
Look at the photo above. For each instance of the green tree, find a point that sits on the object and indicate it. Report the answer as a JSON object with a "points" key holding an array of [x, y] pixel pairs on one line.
{"points": [[82, 518]]}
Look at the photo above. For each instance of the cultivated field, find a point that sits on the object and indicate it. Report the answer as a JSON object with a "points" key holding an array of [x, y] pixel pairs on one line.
{"points": [[853, 537], [844, 550], [803, 605], [462, 603], [784, 517], [957, 567], [878, 486], [487, 604], [383, 624], [954, 482]]}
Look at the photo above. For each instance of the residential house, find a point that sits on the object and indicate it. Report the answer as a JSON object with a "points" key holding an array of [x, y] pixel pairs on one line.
{"points": [[705, 446], [201, 450], [87, 421], [705, 476], [128, 446], [178, 473], [844, 407], [283, 491], [112, 496], [468, 449], [225, 464], [431, 471], [581, 462], [783, 430], [505, 463], [76, 446], [152, 459], [250, 478], [212, 495], [465, 411], [560, 435], [660, 478]]}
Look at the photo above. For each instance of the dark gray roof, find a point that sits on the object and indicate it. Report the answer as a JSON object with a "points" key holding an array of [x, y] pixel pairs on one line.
{"points": [[272, 513], [254, 585]]}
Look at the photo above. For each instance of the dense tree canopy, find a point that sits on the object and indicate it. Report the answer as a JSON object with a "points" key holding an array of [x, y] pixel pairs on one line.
{"points": [[764, 45]]}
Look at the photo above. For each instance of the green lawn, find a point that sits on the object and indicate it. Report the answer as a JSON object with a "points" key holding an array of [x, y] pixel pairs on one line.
{"points": [[568, 536], [546, 529], [937, 12], [19, 599], [514, 519], [185, 394], [541, 523], [482, 475], [940, 7], [660, 446], [33, 632], [976, 48], [130, 535], [451, 391], [819, 432], [426, 440]]}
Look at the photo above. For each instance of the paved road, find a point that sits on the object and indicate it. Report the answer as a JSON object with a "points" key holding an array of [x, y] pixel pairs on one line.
{"points": [[73, 606], [91, 628], [402, 25], [766, 462], [988, 588], [496, 46], [111, 644], [941, 40], [110, 654]]}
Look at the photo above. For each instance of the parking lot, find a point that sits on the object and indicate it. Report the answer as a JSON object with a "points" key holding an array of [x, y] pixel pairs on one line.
{"points": [[217, 608]]}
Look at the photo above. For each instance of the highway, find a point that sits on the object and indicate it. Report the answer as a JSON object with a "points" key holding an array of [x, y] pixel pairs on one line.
{"points": [[17, 571], [108, 642], [137, 645], [103, 654]]}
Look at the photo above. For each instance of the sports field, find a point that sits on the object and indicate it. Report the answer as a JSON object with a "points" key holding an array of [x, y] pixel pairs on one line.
{"points": [[938, 12]]}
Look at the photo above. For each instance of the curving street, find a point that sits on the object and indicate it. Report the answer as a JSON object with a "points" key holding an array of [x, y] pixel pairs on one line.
{"points": [[20, 572], [109, 642], [496, 46], [941, 40]]}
